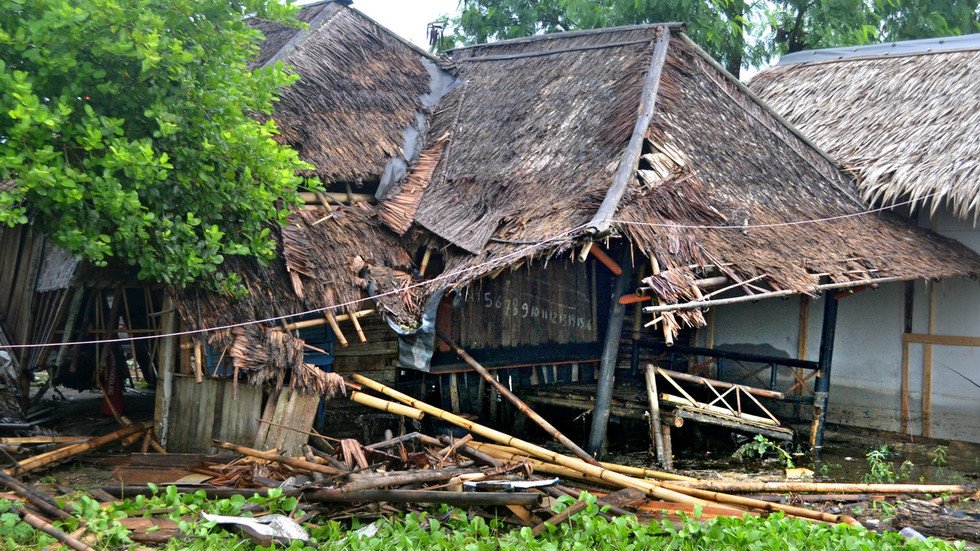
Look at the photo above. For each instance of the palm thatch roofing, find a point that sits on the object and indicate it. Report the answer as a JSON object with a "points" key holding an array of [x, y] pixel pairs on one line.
{"points": [[558, 138], [901, 117], [546, 143], [362, 93]]}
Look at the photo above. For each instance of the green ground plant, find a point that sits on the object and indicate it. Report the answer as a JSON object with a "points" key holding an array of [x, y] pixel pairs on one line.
{"points": [[759, 447], [450, 528]]}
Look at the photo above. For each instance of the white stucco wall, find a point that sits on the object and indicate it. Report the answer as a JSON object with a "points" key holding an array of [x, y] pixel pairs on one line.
{"points": [[866, 374]]}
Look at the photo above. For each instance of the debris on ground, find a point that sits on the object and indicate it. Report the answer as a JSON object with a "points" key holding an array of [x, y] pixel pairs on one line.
{"points": [[487, 472]]}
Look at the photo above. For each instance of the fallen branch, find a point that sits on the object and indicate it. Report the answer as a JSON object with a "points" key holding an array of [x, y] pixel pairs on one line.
{"points": [[274, 457]]}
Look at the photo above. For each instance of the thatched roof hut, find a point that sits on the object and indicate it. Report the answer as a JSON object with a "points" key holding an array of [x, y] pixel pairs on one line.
{"points": [[558, 138], [542, 144], [902, 117]]}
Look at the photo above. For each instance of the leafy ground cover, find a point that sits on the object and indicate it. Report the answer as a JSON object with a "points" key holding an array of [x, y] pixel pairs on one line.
{"points": [[448, 528]]}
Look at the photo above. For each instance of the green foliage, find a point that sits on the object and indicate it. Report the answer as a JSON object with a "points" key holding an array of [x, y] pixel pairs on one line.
{"points": [[881, 469], [130, 130], [738, 33], [759, 447], [794, 25], [453, 529]]}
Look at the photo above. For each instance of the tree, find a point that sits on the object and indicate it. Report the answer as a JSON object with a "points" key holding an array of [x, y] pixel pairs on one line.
{"points": [[130, 130], [718, 25], [739, 33]]}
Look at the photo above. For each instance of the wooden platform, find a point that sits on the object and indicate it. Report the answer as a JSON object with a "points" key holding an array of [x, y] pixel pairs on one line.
{"points": [[630, 401]]}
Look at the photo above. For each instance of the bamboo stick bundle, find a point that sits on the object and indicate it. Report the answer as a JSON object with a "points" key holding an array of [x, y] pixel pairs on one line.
{"points": [[301, 464], [823, 487], [385, 405], [518, 403], [623, 469], [661, 490], [536, 464], [67, 452]]}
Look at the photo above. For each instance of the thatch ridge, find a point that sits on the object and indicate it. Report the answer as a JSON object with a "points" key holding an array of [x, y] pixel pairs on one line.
{"points": [[533, 142], [905, 126]]}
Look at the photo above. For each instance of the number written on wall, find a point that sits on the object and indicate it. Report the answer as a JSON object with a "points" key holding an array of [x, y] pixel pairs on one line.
{"points": [[531, 307]]}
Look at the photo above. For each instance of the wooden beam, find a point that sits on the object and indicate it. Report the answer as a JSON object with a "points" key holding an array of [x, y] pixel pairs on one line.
{"points": [[904, 423], [606, 260], [947, 340], [927, 367]]}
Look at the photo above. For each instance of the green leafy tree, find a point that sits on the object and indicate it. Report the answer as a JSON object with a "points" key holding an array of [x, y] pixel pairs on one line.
{"points": [[135, 130], [739, 33], [794, 25], [718, 25]]}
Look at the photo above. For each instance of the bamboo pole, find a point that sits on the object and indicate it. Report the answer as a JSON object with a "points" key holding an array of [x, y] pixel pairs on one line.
{"points": [[332, 320], [661, 490], [527, 447], [459, 499], [623, 469], [321, 321], [385, 405], [40, 500], [518, 403], [290, 461], [824, 487], [198, 363], [50, 530], [358, 329], [60, 454]]}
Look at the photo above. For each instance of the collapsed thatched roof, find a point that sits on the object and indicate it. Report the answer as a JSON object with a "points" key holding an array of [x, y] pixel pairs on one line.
{"points": [[362, 92], [902, 117], [330, 260], [539, 127]]}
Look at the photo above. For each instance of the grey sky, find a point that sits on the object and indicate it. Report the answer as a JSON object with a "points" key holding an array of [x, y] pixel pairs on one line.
{"points": [[407, 18]]}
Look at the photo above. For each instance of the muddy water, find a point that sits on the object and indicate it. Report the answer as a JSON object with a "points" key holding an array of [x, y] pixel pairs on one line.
{"points": [[708, 454]]}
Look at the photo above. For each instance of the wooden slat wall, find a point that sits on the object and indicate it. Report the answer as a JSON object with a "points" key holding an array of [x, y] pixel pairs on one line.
{"points": [[201, 412], [20, 259], [530, 306]]}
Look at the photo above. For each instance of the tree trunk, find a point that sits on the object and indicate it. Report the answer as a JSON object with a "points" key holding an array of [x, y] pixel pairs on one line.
{"points": [[932, 520]]}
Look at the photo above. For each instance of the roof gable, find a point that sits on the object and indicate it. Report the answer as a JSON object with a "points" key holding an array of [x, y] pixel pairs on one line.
{"points": [[360, 104]]}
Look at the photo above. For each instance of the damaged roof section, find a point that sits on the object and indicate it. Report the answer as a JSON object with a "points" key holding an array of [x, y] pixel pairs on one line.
{"points": [[330, 262], [716, 184], [901, 117], [360, 104]]}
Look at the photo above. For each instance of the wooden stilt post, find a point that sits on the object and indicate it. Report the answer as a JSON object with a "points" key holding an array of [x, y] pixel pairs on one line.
{"points": [[668, 462], [610, 352], [822, 386], [656, 436], [165, 377]]}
